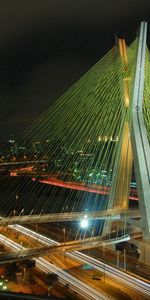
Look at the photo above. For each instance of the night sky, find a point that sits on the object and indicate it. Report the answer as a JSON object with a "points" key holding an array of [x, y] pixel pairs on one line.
{"points": [[47, 45]]}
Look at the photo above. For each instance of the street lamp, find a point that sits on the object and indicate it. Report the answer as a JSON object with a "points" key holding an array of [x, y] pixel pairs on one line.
{"points": [[64, 234], [84, 223], [104, 259], [64, 239]]}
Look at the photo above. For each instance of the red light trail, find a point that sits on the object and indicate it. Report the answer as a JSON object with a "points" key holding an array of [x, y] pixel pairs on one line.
{"points": [[103, 190]]}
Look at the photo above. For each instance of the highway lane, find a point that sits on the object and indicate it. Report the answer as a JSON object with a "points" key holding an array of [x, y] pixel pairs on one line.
{"points": [[91, 188], [86, 291], [74, 283], [80, 244], [126, 279], [110, 214]]}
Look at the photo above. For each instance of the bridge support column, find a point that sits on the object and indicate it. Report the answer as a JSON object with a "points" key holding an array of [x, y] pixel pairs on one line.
{"points": [[144, 251], [140, 143], [119, 195], [144, 255]]}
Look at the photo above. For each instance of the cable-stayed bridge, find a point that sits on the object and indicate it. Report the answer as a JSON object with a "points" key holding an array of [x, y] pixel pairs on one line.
{"points": [[98, 134]]}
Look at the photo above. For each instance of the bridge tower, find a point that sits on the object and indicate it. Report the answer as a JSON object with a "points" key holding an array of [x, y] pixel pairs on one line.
{"points": [[141, 147], [140, 143], [134, 141]]}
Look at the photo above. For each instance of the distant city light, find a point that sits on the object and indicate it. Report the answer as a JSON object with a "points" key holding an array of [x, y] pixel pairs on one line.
{"points": [[4, 287], [11, 141]]}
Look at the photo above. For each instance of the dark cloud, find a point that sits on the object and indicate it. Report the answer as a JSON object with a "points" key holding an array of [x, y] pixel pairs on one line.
{"points": [[45, 46]]}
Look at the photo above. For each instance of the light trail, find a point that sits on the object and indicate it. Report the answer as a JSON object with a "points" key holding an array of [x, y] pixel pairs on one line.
{"points": [[103, 190], [75, 284], [14, 163], [82, 244], [132, 282]]}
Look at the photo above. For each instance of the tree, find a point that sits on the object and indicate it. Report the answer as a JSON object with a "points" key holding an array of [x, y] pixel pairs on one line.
{"points": [[30, 263], [50, 279]]}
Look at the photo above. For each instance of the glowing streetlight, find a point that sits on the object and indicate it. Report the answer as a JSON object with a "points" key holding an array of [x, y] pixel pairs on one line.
{"points": [[84, 223]]}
